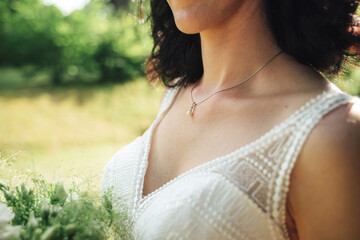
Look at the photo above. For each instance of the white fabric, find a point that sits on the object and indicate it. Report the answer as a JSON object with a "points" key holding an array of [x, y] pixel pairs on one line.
{"points": [[240, 195]]}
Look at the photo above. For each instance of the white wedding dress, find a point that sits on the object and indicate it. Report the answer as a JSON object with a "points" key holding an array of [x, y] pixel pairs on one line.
{"points": [[240, 195]]}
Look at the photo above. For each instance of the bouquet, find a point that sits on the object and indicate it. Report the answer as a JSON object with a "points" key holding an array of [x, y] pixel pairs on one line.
{"points": [[50, 212]]}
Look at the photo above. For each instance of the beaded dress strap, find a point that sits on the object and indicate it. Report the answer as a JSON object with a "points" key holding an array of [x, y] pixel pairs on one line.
{"points": [[309, 118], [167, 100]]}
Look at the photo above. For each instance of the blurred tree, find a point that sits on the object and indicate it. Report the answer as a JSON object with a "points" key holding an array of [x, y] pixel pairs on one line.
{"points": [[93, 40], [28, 35], [120, 4]]}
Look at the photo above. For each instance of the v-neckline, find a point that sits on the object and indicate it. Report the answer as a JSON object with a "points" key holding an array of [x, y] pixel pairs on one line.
{"points": [[143, 166]]}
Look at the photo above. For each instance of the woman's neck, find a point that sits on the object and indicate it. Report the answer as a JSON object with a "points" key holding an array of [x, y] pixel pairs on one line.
{"points": [[236, 48]]}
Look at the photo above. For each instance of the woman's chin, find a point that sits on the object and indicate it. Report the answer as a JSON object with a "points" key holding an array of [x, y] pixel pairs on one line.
{"points": [[188, 30], [188, 27]]}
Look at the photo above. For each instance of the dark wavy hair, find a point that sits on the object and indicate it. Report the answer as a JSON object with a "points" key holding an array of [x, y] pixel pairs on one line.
{"points": [[319, 33]]}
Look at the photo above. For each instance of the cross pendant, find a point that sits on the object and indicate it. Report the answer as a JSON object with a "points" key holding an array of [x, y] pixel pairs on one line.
{"points": [[192, 109]]}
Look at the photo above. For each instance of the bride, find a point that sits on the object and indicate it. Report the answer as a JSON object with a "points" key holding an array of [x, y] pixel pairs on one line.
{"points": [[251, 141]]}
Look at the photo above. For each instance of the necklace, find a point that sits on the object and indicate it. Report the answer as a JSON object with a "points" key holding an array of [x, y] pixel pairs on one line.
{"points": [[194, 104]]}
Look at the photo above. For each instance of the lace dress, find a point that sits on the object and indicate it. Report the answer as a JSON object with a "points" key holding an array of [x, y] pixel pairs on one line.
{"points": [[241, 195]]}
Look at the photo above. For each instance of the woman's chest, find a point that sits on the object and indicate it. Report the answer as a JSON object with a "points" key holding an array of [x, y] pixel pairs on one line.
{"points": [[180, 143]]}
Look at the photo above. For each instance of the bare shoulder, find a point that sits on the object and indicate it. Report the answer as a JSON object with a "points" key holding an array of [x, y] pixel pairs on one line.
{"points": [[338, 132], [325, 183]]}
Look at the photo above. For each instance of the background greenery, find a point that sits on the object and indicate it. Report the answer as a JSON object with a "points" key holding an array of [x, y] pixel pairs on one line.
{"points": [[98, 43], [72, 87]]}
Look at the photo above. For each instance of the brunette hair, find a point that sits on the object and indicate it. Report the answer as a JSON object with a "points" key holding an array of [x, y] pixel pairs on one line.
{"points": [[319, 33]]}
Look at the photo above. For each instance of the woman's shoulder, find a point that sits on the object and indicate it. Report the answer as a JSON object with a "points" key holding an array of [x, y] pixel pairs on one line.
{"points": [[335, 139], [325, 180], [337, 133]]}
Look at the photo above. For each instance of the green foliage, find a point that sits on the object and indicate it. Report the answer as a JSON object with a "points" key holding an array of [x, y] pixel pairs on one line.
{"points": [[22, 201], [49, 212], [59, 195], [95, 40]]}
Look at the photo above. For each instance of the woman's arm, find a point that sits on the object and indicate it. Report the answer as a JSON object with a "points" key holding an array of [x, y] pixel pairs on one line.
{"points": [[325, 182]]}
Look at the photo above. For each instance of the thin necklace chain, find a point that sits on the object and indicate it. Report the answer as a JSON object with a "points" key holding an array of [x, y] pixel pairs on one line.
{"points": [[241, 82], [192, 108]]}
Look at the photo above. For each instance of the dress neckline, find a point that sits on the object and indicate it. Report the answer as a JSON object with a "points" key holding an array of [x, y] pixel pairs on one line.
{"points": [[143, 166]]}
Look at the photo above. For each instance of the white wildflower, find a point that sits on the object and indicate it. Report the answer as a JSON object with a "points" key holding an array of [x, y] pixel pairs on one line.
{"points": [[5, 215], [73, 196], [7, 231], [10, 232]]}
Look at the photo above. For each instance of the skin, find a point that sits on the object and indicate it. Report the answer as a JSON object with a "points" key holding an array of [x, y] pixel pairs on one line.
{"points": [[324, 192]]}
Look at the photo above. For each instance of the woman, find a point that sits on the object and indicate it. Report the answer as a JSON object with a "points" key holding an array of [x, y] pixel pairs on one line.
{"points": [[247, 72]]}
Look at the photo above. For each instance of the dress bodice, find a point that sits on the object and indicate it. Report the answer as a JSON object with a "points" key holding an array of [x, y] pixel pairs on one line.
{"points": [[241, 195]]}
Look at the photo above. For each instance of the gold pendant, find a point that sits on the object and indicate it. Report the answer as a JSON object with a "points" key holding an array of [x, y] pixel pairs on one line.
{"points": [[192, 109]]}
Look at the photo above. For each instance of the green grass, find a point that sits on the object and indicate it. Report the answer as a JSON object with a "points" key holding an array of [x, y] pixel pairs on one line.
{"points": [[71, 132]]}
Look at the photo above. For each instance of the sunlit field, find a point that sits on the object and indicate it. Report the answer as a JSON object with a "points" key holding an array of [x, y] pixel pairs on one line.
{"points": [[69, 133]]}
